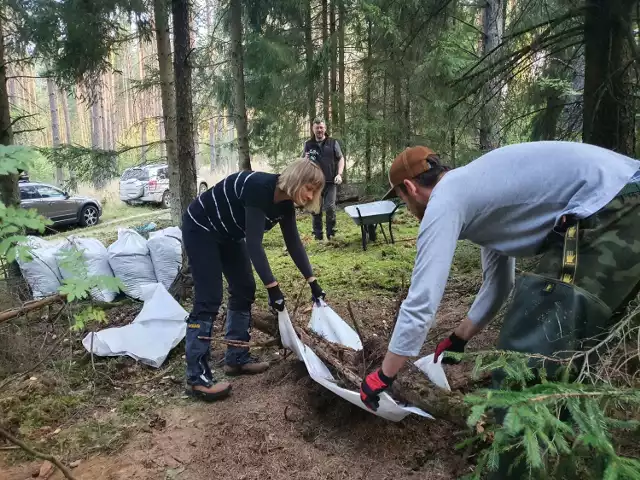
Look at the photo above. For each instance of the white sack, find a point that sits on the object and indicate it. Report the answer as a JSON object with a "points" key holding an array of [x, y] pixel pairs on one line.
{"points": [[130, 261], [165, 248], [41, 271], [96, 259], [329, 324], [158, 328]]}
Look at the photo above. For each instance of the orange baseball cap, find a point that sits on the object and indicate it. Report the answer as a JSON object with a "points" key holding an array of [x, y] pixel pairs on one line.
{"points": [[408, 164]]}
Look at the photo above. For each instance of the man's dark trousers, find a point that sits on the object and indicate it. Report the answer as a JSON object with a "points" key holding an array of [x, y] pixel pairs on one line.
{"points": [[329, 206]]}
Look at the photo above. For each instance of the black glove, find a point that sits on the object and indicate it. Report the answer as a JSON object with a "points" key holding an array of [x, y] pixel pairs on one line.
{"points": [[452, 343], [276, 298], [372, 386], [316, 291]]}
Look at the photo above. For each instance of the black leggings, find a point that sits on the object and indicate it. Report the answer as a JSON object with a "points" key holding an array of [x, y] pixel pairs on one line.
{"points": [[209, 258]]}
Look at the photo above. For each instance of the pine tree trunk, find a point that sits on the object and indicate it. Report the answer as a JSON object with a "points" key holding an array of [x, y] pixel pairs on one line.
{"points": [[128, 112], [168, 94], [81, 116], [103, 117], [368, 80], [67, 118], [55, 126], [383, 138], [493, 27], [397, 110], [237, 66], [311, 80], [212, 145], [9, 193], [325, 65], [184, 108], [142, 99], [333, 53], [608, 112], [341, 68], [406, 126]]}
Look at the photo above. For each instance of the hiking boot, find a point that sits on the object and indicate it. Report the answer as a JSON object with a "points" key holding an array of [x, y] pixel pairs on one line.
{"points": [[252, 367], [210, 393]]}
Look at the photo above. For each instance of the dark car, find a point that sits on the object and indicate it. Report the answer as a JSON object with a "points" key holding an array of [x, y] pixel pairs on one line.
{"points": [[59, 206]]}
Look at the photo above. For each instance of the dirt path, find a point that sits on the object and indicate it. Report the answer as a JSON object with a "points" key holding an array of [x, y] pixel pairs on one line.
{"points": [[281, 425]]}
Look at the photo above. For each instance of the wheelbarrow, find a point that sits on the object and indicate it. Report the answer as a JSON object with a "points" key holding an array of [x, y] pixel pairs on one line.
{"points": [[372, 215]]}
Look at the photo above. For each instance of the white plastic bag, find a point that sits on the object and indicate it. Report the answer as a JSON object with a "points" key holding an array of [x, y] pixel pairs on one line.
{"points": [[130, 261], [41, 272], [165, 248], [434, 371], [158, 328], [96, 259], [327, 323]]}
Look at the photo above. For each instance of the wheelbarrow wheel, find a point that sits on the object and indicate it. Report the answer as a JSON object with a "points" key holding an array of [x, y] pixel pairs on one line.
{"points": [[371, 231]]}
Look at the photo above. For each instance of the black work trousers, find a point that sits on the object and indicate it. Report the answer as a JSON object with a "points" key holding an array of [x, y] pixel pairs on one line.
{"points": [[210, 257]]}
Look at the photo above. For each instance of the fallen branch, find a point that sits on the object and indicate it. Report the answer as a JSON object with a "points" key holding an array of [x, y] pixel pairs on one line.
{"points": [[239, 343], [44, 456], [29, 306]]}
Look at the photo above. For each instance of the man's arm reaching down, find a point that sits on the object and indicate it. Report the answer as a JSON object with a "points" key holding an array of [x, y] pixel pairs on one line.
{"points": [[436, 245]]}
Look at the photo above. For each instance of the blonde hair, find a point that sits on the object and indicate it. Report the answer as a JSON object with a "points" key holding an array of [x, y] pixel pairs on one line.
{"points": [[299, 173]]}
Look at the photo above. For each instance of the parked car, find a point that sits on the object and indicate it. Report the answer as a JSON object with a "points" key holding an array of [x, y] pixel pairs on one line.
{"points": [[58, 205], [150, 184]]}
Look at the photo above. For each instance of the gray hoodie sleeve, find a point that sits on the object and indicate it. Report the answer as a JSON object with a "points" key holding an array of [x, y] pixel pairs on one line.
{"points": [[436, 245], [498, 276]]}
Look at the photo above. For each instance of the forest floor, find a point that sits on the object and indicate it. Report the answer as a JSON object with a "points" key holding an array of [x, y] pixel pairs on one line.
{"points": [[118, 419]]}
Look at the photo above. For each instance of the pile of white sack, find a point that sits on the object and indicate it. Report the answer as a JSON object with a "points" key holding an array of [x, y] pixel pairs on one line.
{"points": [[136, 261]]}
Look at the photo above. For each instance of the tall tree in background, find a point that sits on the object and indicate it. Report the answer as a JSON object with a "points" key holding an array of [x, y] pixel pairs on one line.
{"points": [[325, 63], [9, 193], [184, 105], [237, 66], [493, 28], [142, 104], [168, 93], [308, 48], [608, 109], [55, 126]]}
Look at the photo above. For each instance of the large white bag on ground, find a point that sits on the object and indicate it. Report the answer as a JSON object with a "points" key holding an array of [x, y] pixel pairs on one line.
{"points": [[41, 271], [130, 261], [158, 328], [165, 247], [96, 260], [327, 323]]}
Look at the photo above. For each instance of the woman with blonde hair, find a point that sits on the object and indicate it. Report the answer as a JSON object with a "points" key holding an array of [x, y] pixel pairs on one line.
{"points": [[222, 231]]}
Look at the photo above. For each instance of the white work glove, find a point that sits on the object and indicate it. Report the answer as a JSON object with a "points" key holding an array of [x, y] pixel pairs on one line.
{"points": [[338, 179]]}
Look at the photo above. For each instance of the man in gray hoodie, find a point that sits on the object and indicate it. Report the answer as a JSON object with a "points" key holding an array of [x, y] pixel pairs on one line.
{"points": [[550, 198]]}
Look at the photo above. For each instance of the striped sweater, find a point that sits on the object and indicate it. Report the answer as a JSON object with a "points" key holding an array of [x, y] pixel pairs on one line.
{"points": [[241, 206]]}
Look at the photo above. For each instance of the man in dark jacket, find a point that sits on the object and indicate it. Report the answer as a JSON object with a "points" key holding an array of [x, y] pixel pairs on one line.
{"points": [[325, 151]]}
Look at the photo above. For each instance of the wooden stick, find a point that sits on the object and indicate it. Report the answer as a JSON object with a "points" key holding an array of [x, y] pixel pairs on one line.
{"points": [[44, 456], [29, 306], [358, 328], [240, 343]]}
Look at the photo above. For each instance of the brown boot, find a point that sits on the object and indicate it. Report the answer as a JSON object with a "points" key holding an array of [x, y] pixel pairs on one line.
{"points": [[211, 393], [250, 368]]}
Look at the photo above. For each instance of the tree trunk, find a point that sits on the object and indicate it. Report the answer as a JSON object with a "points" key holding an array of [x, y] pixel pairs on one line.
{"points": [[142, 100], [184, 107], [608, 112], [9, 193], [493, 25], [67, 119], [55, 126], [397, 110], [237, 66], [341, 69], [168, 94], [367, 141], [406, 126], [325, 64], [333, 53], [383, 138], [212, 145], [311, 80]]}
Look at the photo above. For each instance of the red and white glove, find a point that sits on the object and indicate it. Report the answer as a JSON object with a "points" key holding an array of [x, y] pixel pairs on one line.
{"points": [[452, 343], [372, 386]]}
